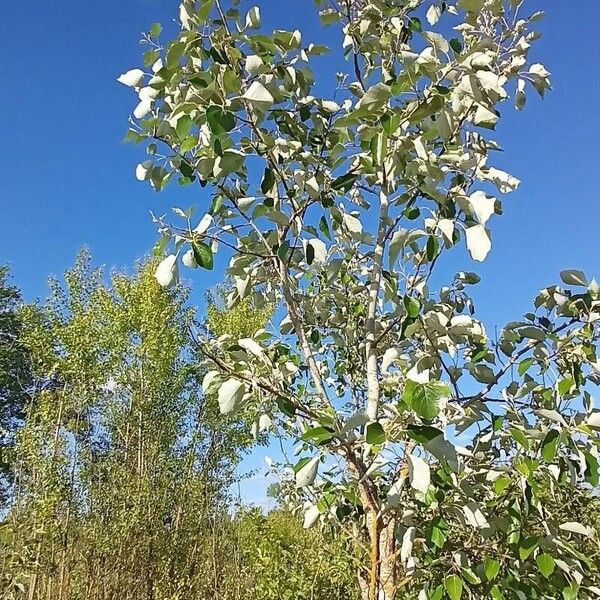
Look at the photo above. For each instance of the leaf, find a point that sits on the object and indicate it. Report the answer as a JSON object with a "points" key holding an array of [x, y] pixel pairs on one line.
{"points": [[573, 527], [414, 24], [210, 381], [258, 95], [324, 228], [456, 45], [183, 126], [419, 473], [329, 16], [155, 30], [482, 206], [311, 516], [491, 568], [230, 395], [307, 473], [219, 121], [131, 78], [454, 587], [353, 225], [376, 97], [412, 305], [317, 435], [475, 516], [593, 420], [343, 183], [188, 260], [166, 271], [253, 18], [545, 564], [203, 255], [204, 224], [316, 251], [160, 245], [437, 532], [433, 14], [268, 181], [478, 242], [375, 435], [574, 277], [424, 398], [550, 445], [527, 546], [524, 366], [251, 346], [174, 54], [423, 433], [379, 147]]}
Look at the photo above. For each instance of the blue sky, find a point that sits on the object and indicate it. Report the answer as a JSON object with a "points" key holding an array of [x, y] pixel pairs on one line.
{"points": [[67, 180]]}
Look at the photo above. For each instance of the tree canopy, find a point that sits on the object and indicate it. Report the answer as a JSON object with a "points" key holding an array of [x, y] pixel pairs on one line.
{"points": [[439, 446]]}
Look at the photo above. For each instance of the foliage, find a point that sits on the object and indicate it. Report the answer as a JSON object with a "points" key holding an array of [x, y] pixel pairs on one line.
{"points": [[242, 320], [337, 209], [286, 562], [122, 467], [15, 377]]}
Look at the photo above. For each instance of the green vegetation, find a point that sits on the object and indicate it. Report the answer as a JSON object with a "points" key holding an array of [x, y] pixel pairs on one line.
{"points": [[336, 200], [424, 458]]}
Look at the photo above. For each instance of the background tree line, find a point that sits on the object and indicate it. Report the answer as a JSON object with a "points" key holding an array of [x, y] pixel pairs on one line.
{"points": [[118, 471]]}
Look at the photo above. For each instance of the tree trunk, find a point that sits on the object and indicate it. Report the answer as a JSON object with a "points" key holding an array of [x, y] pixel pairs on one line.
{"points": [[382, 583]]}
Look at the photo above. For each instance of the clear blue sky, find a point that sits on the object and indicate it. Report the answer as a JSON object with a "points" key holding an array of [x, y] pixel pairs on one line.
{"points": [[67, 180]]}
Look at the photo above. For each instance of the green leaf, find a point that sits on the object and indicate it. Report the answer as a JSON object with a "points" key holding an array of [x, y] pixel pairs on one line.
{"points": [[329, 16], [268, 181], [159, 247], [324, 228], [436, 594], [437, 532], [496, 594], [424, 398], [183, 126], [456, 45], [524, 365], [545, 564], [423, 433], [375, 435], [343, 183], [414, 24], [155, 30], [574, 277], [519, 437], [317, 435], [219, 120], [527, 546], [204, 10], [491, 568], [376, 97], [412, 305], [174, 54], [550, 445], [283, 250], [454, 587], [379, 147], [203, 255]]}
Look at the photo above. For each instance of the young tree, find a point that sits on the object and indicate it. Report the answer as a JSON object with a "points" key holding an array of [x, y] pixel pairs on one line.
{"points": [[338, 209], [15, 377], [123, 466]]}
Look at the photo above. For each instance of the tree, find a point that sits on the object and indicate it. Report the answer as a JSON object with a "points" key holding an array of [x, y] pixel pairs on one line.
{"points": [[123, 467], [339, 209], [15, 377]]}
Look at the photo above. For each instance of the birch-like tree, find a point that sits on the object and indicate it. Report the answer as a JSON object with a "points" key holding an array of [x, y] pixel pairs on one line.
{"points": [[433, 442]]}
